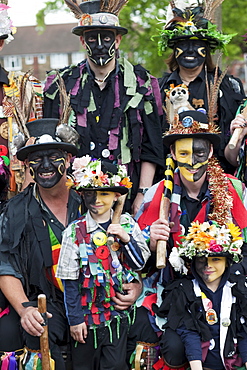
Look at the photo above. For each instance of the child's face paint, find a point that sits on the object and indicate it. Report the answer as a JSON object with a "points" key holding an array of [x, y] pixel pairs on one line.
{"points": [[99, 202], [210, 268], [192, 157]]}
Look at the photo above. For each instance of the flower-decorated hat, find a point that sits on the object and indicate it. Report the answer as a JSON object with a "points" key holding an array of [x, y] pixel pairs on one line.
{"points": [[187, 20], [6, 26], [207, 239], [192, 123], [94, 174], [97, 14]]}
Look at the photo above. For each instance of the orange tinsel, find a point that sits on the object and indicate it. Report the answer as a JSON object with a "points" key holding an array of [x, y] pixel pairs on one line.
{"points": [[221, 198]]}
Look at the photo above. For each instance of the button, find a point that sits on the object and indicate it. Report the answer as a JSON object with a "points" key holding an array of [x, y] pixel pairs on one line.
{"points": [[99, 238], [92, 145], [105, 153]]}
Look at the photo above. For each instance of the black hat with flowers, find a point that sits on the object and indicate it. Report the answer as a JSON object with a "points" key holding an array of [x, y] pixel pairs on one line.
{"points": [[194, 22], [95, 174], [207, 239]]}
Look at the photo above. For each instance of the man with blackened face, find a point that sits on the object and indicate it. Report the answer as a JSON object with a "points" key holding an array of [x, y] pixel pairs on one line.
{"points": [[190, 53], [100, 45], [47, 167]]}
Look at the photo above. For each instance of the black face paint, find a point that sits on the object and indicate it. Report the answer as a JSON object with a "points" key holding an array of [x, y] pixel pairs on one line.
{"points": [[100, 46], [47, 166], [191, 53], [90, 197]]}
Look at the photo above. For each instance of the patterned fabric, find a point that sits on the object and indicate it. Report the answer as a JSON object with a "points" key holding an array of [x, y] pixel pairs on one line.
{"points": [[100, 270]]}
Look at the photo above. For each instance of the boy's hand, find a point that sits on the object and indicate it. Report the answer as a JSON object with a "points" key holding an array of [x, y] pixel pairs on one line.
{"points": [[118, 230], [159, 230], [79, 332]]}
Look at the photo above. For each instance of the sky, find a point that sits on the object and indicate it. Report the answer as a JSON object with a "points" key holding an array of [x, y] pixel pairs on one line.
{"points": [[23, 13]]}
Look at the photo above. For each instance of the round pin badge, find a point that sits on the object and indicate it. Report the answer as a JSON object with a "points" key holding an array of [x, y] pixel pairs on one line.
{"points": [[115, 246], [102, 252], [105, 153], [115, 264], [99, 238], [211, 316], [226, 322], [103, 19], [187, 121]]}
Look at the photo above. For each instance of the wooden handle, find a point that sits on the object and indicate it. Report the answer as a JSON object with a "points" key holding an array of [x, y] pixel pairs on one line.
{"points": [[234, 139], [44, 343], [161, 254], [161, 244], [116, 216]]}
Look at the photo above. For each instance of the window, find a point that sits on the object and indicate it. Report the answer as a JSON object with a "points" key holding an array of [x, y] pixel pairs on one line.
{"points": [[77, 57], [13, 63], [59, 60], [42, 59], [29, 60]]}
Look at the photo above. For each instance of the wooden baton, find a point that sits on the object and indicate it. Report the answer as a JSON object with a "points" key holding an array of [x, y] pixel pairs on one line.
{"points": [[116, 216], [44, 343], [237, 132], [165, 209]]}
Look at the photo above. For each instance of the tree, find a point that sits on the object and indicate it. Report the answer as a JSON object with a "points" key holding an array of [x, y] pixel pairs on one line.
{"points": [[141, 19]]}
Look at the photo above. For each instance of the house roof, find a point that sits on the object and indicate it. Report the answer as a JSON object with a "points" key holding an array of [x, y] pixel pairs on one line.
{"points": [[56, 38]]}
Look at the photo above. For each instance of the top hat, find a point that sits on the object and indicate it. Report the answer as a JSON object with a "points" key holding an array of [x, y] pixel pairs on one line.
{"points": [[192, 123], [46, 133], [94, 174], [97, 14]]}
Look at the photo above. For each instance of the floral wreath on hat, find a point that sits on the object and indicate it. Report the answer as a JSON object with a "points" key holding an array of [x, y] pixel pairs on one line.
{"points": [[207, 239], [87, 173], [192, 22]]}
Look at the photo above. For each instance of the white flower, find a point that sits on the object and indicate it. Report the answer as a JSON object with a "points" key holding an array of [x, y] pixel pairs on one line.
{"points": [[80, 163], [177, 262]]}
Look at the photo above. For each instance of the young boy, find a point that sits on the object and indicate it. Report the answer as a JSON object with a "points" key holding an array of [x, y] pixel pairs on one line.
{"points": [[93, 272], [206, 317]]}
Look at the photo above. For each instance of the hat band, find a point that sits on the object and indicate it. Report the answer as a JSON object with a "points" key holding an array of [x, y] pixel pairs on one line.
{"points": [[99, 19]]}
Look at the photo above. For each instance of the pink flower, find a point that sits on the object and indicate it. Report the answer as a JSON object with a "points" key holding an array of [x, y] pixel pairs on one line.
{"points": [[213, 247]]}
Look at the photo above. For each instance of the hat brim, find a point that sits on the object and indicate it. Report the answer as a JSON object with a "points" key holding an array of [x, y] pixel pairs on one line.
{"points": [[213, 138], [80, 29], [4, 37], [116, 189], [213, 43], [22, 153]]}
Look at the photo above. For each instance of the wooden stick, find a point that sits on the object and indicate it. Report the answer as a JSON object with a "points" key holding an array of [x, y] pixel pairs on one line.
{"points": [[165, 209], [44, 343], [116, 216], [234, 139]]}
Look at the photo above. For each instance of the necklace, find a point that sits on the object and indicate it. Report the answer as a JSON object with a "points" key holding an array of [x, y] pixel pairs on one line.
{"points": [[101, 81]]}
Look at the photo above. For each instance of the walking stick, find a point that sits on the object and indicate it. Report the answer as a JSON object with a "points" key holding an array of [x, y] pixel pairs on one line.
{"points": [[44, 343], [165, 209], [237, 132], [116, 216]]}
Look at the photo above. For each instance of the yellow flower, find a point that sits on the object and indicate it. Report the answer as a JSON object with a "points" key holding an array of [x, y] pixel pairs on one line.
{"points": [[235, 232]]}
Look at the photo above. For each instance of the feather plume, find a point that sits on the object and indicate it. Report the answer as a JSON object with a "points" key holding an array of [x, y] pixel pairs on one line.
{"points": [[112, 6], [64, 101], [212, 92], [73, 6]]}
